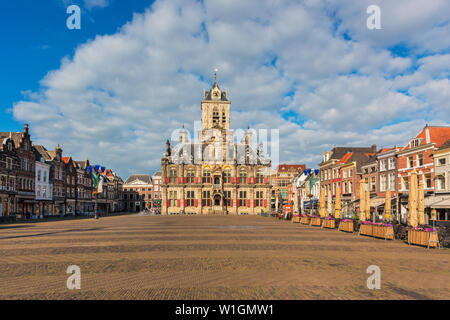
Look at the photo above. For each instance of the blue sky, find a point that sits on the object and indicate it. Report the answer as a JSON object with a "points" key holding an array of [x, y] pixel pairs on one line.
{"points": [[36, 38], [115, 90]]}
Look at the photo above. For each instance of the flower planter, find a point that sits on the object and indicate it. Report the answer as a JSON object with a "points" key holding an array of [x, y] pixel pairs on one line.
{"points": [[296, 219], [329, 223], [305, 220], [366, 229], [423, 238], [346, 226], [316, 222], [383, 232]]}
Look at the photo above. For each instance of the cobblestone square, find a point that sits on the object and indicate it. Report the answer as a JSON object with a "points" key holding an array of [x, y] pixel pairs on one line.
{"points": [[211, 257]]}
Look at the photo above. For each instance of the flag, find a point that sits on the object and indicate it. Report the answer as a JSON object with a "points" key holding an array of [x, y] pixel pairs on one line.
{"points": [[95, 178]]}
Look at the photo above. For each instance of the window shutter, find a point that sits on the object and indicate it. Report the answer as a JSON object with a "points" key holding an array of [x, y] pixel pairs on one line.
{"points": [[185, 202], [265, 203], [178, 202], [178, 179], [248, 203], [232, 180], [168, 203], [248, 181], [210, 179], [254, 203], [196, 203], [237, 203], [237, 180], [231, 202], [265, 180], [185, 179], [167, 179], [195, 180]]}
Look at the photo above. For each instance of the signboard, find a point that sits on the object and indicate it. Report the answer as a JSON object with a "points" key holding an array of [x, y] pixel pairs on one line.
{"points": [[433, 214], [288, 208]]}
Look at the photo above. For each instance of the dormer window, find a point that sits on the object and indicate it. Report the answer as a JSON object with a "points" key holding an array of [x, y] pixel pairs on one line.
{"points": [[414, 143]]}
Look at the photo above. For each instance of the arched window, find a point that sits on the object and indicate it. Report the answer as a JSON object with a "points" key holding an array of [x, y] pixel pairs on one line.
{"points": [[190, 174], [206, 176], [243, 175], [173, 175], [227, 176], [259, 176]]}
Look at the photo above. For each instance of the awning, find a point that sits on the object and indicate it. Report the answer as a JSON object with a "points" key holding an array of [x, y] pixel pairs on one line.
{"points": [[375, 202], [443, 203]]}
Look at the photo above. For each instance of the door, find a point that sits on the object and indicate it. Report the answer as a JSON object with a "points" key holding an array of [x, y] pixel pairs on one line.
{"points": [[217, 199]]}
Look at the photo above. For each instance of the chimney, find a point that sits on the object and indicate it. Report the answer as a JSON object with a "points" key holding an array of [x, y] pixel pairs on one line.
{"points": [[374, 148]]}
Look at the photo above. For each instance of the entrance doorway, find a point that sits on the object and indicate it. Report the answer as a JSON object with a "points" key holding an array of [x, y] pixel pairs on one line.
{"points": [[217, 200]]}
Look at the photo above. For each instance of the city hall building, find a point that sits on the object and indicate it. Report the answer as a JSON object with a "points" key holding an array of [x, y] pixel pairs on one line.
{"points": [[215, 174]]}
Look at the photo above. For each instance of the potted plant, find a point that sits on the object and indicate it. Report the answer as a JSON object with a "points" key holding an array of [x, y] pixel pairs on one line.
{"points": [[366, 228], [315, 220], [423, 236], [304, 219], [329, 222], [346, 225]]}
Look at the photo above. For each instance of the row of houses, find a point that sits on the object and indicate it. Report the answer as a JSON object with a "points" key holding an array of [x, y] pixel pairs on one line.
{"points": [[343, 169], [142, 191], [36, 182]]}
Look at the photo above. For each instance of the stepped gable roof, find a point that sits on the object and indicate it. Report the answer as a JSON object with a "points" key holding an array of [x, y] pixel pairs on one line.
{"points": [[83, 164], [142, 177], [41, 152], [432, 134], [338, 152], [15, 136]]}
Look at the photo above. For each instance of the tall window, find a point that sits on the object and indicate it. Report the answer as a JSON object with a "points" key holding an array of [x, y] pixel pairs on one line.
{"points": [[206, 176], [428, 180], [227, 176], [383, 165], [173, 175], [383, 183], [392, 182], [350, 187], [373, 184], [440, 182], [405, 184], [420, 159], [350, 173], [411, 162], [243, 175], [242, 198], [172, 198], [391, 163], [190, 198], [259, 199], [259, 176], [190, 175], [206, 199], [227, 195], [344, 174], [8, 163]]}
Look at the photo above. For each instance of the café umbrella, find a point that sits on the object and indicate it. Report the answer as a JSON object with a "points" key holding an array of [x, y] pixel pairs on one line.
{"points": [[361, 201], [322, 203], [412, 201], [367, 205], [421, 204], [387, 205], [337, 204]]}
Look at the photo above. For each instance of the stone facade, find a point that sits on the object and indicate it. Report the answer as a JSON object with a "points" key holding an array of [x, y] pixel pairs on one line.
{"points": [[215, 174]]}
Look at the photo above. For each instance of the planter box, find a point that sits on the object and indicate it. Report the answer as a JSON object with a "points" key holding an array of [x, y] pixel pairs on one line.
{"points": [[346, 226], [366, 229], [422, 238], [296, 219], [329, 224], [380, 232], [316, 222], [305, 220]]}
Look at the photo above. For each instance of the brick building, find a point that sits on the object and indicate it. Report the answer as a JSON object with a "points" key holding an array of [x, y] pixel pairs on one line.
{"points": [[9, 166]]}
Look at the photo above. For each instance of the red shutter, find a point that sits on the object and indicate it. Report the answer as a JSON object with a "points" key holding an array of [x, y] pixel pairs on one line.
{"points": [[210, 179], [248, 203], [185, 179], [231, 202], [248, 181], [265, 180], [195, 180], [178, 180], [178, 202], [265, 203], [255, 180], [185, 202], [237, 180], [237, 203], [196, 203], [232, 180], [168, 203], [167, 180], [254, 203]]}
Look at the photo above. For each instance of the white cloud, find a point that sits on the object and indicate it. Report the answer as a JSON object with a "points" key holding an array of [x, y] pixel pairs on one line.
{"points": [[89, 4], [284, 64]]}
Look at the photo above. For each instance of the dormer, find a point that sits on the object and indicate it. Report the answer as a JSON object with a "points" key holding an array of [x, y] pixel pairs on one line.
{"points": [[414, 143]]}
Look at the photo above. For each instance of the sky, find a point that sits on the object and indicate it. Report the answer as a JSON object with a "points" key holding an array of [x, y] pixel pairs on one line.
{"points": [[115, 90]]}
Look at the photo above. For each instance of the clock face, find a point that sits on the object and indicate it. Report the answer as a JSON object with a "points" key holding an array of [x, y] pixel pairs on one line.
{"points": [[216, 94]]}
